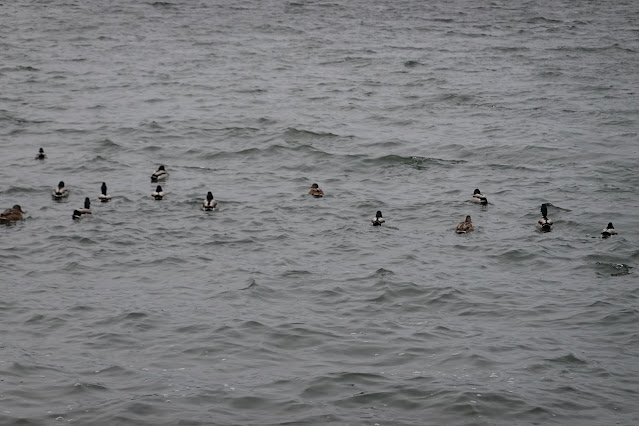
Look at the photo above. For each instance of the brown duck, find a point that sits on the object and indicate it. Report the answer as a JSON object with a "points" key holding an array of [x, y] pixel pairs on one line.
{"points": [[11, 215], [465, 226]]}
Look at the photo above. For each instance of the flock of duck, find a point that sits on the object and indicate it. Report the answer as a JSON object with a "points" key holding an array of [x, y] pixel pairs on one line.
{"points": [[61, 192], [15, 213], [544, 224]]}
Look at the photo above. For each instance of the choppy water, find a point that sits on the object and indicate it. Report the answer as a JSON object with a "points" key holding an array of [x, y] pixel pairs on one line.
{"points": [[285, 309]]}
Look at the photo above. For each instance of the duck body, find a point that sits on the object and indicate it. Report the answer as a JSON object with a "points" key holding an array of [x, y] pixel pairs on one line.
{"points": [[608, 231], [378, 219], [316, 191], [158, 194], [209, 204], [86, 210], [465, 227], [544, 224], [12, 214], [104, 197], [60, 191], [159, 174], [479, 198], [40, 155]]}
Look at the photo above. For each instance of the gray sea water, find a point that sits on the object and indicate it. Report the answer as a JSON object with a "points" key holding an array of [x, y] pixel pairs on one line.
{"points": [[281, 308]]}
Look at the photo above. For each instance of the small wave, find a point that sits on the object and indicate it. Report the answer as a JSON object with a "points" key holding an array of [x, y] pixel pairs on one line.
{"points": [[594, 49], [152, 125], [22, 68], [163, 4], [108, 340], [19, 190], [381, 272], [623, 316], [108, 143], [612, 269], [113, 370], [541, 19], [413, 161], [399, 292], [445, 296], [296, 273], [87, 387], [70, 131], [301, 133], [272, 150], [509, 49], [568, 359], [252, 284]]}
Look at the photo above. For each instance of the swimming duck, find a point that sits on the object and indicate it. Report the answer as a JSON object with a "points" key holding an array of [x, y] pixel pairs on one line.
{"points": [[209, 204], [104, 197], [479, 198], [12, 214], [544, 224], [60, 191], [378, 219], [87, 206], [465, 226], [608, 231], [316, 191], [160, 174], [40, 155], [157, 194], [78, 213]]}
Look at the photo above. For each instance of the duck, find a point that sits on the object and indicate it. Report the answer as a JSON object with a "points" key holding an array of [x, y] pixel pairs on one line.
{"points": [[40, 155], [608, 231], [104, 197], [78, 213], [60, 191], [157, 194], [12, 214], [378, 219], [316, 191], [478, 197], [465, 226], [544, 224], [160, 174], [209, 204], [87, 206]]}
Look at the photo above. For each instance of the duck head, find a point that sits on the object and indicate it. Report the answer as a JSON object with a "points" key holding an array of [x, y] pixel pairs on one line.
{"points": [[209, 196], [161, 168], [61, 184], [477, 191], [87, 203], [544, 210], [378, 214], [103, 188], [158, 189], [18, 208], [468, 220], [610, 226]]}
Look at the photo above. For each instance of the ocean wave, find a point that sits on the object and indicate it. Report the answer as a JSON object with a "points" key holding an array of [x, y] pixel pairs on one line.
{"points": [[592, 49], [415, 162], [611, 269]]}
